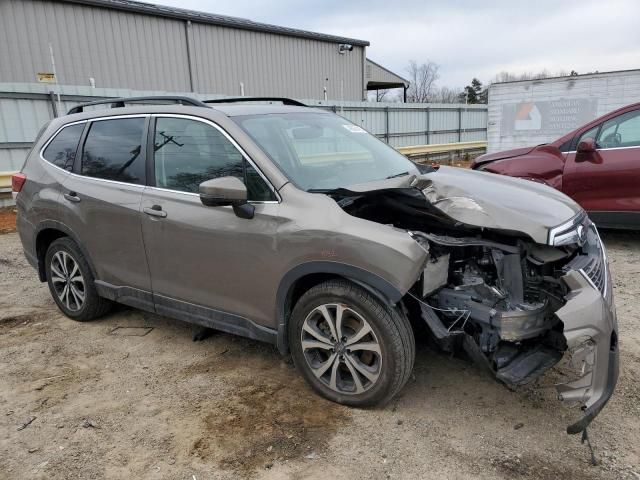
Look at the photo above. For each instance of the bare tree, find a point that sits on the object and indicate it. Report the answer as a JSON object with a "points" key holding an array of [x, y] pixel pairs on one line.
{"points": [[512, 77], [381, 94], [388, 95], [423, 79], [446, 95]]}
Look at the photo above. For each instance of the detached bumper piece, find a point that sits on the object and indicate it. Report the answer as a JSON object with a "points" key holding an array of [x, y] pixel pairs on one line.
{"points": [[590, 328], [528, 365]]}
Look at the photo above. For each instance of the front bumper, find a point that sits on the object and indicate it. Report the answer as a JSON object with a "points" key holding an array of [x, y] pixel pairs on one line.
{"points": [[591, 332]]}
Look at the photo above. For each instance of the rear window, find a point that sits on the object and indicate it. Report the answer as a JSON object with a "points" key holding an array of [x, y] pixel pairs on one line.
{"points": [[61, 151], [113, 150]]}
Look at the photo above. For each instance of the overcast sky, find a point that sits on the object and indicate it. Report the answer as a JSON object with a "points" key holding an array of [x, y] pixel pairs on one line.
{"points": [[466, 38]]}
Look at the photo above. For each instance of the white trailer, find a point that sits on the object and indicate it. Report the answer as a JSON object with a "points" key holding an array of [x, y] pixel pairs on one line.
{"points": [[531, 112]]}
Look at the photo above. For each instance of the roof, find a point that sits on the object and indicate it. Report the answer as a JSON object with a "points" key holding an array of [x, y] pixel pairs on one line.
{"points": [[380, 77], [570, 77], [214, 19]]}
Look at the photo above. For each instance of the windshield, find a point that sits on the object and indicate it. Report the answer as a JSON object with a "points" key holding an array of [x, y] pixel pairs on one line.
{"points": [[320, 152]]}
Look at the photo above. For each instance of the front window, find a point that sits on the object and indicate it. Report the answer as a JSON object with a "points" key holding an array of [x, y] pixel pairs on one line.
{"points": [[621, 131], [189, 152], [320, 152], [591, 133]]}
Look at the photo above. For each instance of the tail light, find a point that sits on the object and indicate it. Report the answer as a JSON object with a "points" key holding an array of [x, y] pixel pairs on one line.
{"points": [[17, 182]]}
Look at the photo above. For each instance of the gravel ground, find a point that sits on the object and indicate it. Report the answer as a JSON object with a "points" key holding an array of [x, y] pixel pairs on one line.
{"points": [[93, 401]]}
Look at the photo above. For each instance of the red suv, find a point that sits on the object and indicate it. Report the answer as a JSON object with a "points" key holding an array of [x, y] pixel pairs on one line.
{"points": [[598, 165]]}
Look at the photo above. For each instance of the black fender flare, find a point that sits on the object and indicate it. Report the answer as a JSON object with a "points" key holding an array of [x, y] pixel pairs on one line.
{"points": [[56, 225], [374, 283]]}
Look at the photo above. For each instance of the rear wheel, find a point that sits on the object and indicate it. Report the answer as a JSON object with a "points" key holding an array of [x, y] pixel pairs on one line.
{"points": [[71, 282], [350, 347]]}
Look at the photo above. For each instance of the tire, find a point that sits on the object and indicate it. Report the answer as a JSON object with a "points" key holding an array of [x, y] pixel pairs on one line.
{"points": [[380, 357], [71, 282]]}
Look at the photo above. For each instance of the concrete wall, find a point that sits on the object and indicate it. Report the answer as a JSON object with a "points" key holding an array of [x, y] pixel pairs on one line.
{"points": [[539, 111]]}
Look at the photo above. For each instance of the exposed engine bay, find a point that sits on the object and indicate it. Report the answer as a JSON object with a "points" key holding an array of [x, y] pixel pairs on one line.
{"points": [[495, 293], [495, 301]]}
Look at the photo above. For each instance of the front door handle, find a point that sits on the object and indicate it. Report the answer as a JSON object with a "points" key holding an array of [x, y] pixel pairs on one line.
{"points": [[155, 211], [72, 197]]}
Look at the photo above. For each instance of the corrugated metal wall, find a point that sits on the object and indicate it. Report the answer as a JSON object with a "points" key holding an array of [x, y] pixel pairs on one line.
{"points": [[578, 99], [270, 64], [402, 125], [115, 48], [24, 108], [373, 71], [144, 52]]}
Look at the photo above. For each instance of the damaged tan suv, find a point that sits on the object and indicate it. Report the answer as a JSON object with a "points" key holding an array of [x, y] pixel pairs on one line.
{"points": [[290, 225]]}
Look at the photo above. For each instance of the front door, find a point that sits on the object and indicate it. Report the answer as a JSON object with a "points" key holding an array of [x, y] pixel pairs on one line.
{"points": [[605, 182], [206, 258], [101, 204]]}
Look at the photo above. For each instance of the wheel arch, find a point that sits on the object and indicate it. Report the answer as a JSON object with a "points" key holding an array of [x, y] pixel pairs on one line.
{"points": [[47, 232], [304, 276]]}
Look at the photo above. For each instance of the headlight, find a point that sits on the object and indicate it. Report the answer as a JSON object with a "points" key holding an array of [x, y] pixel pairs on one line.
{"points": [[572, 232]]}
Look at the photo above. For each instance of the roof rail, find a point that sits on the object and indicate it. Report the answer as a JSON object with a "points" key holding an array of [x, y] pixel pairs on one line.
{"points": [[283, 100], [120, 102]]}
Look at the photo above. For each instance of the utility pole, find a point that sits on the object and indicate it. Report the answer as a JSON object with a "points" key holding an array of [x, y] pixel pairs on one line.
{"points": [[55, 76]]}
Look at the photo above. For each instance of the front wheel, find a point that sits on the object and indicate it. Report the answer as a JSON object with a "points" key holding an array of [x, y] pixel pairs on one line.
{"points": [[350, 348]]}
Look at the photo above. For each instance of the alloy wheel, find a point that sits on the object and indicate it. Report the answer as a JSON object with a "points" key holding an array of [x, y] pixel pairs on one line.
{"points": [[67, 280], [341, 348]]}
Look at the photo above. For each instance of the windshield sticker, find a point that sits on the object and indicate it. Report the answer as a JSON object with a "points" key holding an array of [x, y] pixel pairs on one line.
{"points": [[355, 129]]}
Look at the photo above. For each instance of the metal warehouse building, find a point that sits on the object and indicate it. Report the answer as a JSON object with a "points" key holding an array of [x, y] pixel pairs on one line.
{"points": [[134, 45]]}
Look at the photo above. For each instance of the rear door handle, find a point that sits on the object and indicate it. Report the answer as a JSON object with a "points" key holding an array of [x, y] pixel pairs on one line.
{"points": [[72, 197], [155, 211]]}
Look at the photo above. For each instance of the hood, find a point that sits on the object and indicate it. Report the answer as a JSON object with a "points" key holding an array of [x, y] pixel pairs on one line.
{"points": [[491, 157], [486, 200]]}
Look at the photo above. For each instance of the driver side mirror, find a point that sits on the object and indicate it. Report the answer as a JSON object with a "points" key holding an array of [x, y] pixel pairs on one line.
{"points": [[224, 191], [587, 146]]}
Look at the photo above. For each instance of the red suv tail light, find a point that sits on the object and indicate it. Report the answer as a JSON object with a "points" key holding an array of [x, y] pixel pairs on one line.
{"points": [[17, 182]]}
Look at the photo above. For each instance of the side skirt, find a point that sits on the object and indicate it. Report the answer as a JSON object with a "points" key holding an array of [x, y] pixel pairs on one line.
{"points": [[187, 312]]}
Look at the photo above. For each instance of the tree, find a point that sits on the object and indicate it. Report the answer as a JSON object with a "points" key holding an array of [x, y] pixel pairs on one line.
{"points": [[544, 73], [388, 95], [445, 95], [474, 93], [423, 79], [380, 94], [468, 95]]}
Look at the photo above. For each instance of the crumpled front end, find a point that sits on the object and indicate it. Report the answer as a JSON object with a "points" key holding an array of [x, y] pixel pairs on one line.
{"points": [[507, 279], [520, 309]]}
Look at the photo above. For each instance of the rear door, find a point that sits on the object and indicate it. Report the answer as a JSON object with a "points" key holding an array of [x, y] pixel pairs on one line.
{"points": [[101, 202], [205, 259], [606, 182]]}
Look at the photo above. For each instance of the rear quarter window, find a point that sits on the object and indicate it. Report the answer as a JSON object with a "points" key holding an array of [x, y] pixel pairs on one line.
{"points": [[61, 150]]}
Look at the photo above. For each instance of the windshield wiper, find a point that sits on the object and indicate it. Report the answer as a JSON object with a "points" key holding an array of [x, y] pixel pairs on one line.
{"points": [[401, 174]]}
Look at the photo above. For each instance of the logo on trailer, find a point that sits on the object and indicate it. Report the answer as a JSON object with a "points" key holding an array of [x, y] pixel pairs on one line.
{"points": [[528, 117]]}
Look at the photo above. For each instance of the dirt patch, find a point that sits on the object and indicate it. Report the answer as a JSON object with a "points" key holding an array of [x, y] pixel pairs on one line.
{"points": [[529, 466], [7, 220], [266, 423], [12, 322]]}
